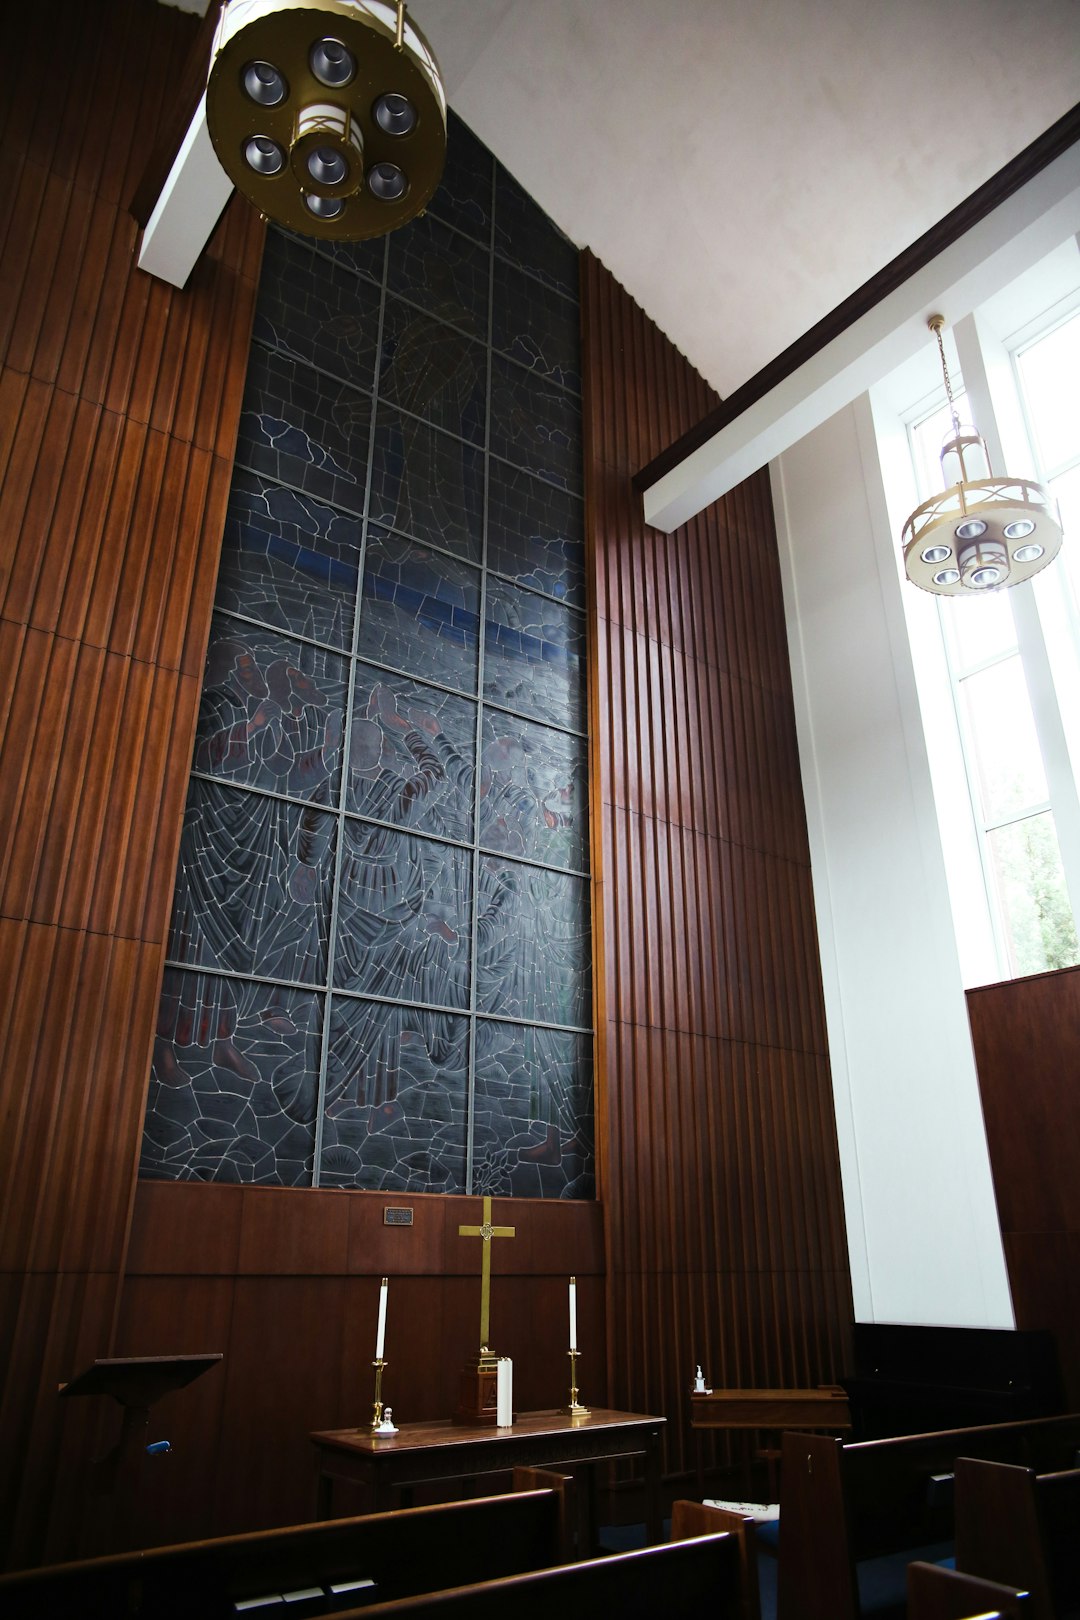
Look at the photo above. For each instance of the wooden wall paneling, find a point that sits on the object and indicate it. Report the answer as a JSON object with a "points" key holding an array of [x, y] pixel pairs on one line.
{"points": [[121, 401], [719, 1160], [1025, 1035]]}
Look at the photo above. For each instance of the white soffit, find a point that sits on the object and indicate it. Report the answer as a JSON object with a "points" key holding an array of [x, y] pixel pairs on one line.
{"points": [[1021, 230], [189, 207]]}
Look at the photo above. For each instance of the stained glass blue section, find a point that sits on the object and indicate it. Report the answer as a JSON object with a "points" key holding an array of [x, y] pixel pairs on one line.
{"points": [[289, 561], [443, 272], [313, 310], [234, 1083], [420, 611], [535, 424], [534, 791], [534, 655], [536, 326], [532, 1113], [533, 943], [426, 483], [271, 712], [411, 754], [463, 196], [404, 917], [433, 371], [303, 428], [536, 533], [527, 237], [396, 1114], [253, 885]]}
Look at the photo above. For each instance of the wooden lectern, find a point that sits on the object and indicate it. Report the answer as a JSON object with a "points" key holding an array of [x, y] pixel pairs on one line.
{"points": [[137, 1383]]}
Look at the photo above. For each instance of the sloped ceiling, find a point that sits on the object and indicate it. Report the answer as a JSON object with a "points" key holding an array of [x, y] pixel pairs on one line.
{"points": [[742, 165]]}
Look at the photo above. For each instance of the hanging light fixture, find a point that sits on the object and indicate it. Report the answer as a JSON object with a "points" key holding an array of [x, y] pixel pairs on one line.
{"points": [[984, 532], [328, 114]]}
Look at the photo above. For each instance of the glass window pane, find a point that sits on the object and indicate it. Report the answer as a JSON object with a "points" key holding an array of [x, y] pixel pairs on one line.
{"points": [[1007, 758], [289, 561], [253, 884], [411, 754], [534, 791], [1066, 489], [533, 1113], [536, 533], [312, 309], [302, 428], [427, 483], [1050, 373], [1031, 892], [271, 712], [534, 949], [420, 612], [404, 917], [234, 1082], [978, 630], [396, 1116], [534, 655]]}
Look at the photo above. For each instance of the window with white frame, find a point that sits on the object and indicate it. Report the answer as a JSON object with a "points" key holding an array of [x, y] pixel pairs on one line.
{"points": [[1012, 671]]}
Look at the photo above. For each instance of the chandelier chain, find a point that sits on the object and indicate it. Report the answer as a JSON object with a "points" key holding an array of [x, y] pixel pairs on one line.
{"points": [[937, 330]]}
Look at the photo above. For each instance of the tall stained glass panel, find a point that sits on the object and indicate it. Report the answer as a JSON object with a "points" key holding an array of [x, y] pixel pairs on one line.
{"points": [[380, 960]]}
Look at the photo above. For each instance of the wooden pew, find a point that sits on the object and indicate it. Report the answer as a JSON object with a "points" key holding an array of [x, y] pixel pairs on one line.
{"points": [[696, 1519], [338, 1562], [546, 1479], [697, 1579], [844, 1503], [934, 1593], [1015, 1525]]}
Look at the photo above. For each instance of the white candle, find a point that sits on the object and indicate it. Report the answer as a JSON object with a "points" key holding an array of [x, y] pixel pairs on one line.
{"points": [[573, 1313], [504, 1393], [380, 1336]]}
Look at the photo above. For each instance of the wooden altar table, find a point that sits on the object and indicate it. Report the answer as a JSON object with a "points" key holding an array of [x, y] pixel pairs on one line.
{"points": [[427, 1453]]}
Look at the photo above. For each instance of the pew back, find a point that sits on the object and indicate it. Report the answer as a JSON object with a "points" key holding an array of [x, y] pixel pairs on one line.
{"points": [[1018, 1526], [680, 1580], [387, 1555], [935, 1593], [843, 1503], [698, 1519]]}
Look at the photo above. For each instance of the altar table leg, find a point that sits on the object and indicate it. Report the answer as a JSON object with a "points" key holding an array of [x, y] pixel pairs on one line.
{"points": [[654, 1518]]}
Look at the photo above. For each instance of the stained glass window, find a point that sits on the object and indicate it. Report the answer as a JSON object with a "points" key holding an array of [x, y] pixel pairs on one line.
{"points": [[379, 962]]}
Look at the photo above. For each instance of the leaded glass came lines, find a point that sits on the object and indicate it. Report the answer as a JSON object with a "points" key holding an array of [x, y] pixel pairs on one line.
{"points": [[380, 955]]}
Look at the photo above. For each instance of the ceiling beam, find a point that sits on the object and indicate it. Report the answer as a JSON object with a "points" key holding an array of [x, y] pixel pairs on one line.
{"points": [[975, 249]]}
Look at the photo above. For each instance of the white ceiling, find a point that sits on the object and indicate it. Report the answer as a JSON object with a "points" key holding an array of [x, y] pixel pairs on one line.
{"points": [[742, 165]]}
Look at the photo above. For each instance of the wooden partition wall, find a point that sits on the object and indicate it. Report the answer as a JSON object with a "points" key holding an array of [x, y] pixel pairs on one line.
{"points": [[1026, 1035], [721, 1181], [119, 401]]}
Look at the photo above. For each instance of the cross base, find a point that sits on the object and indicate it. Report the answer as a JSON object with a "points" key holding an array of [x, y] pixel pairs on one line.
{"points": [[478, 1390]]}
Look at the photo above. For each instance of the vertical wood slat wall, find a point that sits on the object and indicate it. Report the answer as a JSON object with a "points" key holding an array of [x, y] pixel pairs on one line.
{"points": [[119, 403], [1024, 1033], [718, 1156]]}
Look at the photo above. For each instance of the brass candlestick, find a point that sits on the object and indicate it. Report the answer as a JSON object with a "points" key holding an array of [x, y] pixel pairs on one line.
{"points": [[575, 1408], [378, 1365]]}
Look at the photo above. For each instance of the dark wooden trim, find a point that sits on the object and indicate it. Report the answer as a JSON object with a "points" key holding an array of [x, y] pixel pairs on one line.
{"points": [[1016, 173], [174, 127]]}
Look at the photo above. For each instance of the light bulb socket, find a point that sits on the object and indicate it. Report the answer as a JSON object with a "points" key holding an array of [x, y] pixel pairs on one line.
{"points": [[332, 63], [984, 564], [263, 155], [387, 182], [394, 114], [264, 84]]}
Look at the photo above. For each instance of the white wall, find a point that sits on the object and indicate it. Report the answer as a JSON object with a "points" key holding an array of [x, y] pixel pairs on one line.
{"points": [[923, 1233]]}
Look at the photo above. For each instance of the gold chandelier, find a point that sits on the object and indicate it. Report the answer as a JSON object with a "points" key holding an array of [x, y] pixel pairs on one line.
{"points": [[983, 533], [329, 115]]}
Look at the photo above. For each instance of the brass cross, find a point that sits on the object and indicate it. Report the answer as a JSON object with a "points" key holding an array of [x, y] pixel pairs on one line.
{"points": [[487, 1232]]}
